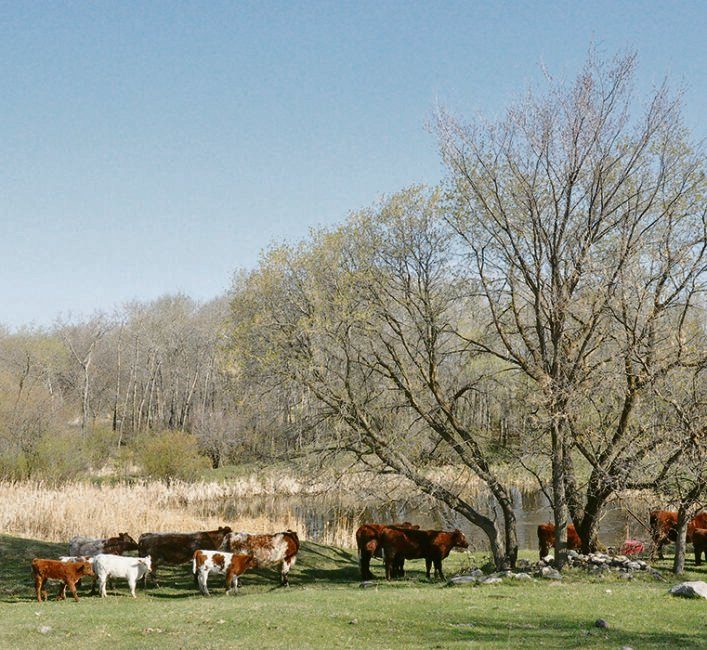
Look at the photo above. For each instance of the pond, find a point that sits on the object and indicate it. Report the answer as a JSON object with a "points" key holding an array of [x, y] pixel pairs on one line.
{"points": [[334, 519]]}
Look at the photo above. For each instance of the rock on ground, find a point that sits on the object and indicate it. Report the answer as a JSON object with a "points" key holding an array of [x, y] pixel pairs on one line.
{"points": [[695, 589]]}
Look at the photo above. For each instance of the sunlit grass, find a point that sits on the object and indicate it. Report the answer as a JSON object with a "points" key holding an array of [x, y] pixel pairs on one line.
{"points": [[326, 608]]}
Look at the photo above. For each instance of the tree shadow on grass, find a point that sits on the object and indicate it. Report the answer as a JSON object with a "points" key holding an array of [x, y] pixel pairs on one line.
{"points": [[555, 631]]}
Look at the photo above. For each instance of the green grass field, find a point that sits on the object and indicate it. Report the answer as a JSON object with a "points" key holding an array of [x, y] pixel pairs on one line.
{"points": [[326, 608]]}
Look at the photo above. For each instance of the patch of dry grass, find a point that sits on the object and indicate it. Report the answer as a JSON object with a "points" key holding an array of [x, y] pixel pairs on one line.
{"points": [[57, 513]]}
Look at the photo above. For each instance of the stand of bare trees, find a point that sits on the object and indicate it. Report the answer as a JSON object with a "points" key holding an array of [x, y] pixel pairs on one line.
{"points": [[585, 228]]}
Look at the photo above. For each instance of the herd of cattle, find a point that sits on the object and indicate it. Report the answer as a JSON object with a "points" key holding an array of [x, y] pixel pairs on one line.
{"points": [[663, 528], [228, 553]]}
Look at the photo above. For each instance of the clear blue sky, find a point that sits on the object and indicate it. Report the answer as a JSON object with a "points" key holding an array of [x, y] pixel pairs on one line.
{"points": [[156, 147]]}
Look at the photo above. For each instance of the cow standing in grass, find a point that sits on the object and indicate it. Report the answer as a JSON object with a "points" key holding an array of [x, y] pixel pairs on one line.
{"points": [[69, 573], [116, 566], [368, 543], [268, 550], [90, 546], [409, 544], [178, 548], [664, 528], [219, 562], [546, 538]]}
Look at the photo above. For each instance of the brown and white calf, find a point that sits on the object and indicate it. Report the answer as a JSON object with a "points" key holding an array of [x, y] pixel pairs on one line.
{"points": [[268, 550], [69, 573], [221, 563]]}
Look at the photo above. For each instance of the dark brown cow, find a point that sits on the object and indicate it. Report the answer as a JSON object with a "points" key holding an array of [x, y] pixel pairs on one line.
{"points": [[368, 542], [410, 544], [178, 548], [699, 541], [268, 550], [664, 528], [546, 538], [90, 546], [69, 573]]}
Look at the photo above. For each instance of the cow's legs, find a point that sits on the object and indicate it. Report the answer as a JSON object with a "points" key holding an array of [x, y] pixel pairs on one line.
{"points": [[202, 578], [102, 585], [287, 564], [389, 566], [132, 582], [364, 563], [72, 586], [428, 566], [231, 583], [61, 594], [38, 584], [438, 568], [153, 574]]}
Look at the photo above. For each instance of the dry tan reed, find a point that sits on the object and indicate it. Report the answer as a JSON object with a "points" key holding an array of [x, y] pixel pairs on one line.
{"points": [[41, 511]]}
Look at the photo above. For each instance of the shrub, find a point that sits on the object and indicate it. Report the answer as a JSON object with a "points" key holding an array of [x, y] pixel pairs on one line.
{"points": [[170, 455]]}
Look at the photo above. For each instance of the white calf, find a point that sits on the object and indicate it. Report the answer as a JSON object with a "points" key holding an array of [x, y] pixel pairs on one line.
{"points": [[229, 564], [118, 566]]}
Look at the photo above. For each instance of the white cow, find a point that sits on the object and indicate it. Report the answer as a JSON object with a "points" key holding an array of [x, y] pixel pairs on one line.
{"points": [[221, 563], [118, 566]]}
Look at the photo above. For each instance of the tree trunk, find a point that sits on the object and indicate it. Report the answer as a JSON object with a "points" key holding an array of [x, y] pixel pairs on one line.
{"points": [[559, 505], [681, 541]]}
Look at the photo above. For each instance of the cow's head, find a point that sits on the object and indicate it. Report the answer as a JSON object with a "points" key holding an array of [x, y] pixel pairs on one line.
{"points": [[458, 539], [250, 562], [128, 542], [146, 561], [224, 530], [84, 568]]}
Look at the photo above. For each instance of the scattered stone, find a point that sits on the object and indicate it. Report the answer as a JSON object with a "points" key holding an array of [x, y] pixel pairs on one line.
{"points": [[550, 573], [521, 576], [625, 575], [367, 584], [656, 574], [353, 621], [634, 566], [491, 580], [600, 622], [476, 573], [626, 647], [45, 629], [549, 559], [694, 589], [462, 580]]}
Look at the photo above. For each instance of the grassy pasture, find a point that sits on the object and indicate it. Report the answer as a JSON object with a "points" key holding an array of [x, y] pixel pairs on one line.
{"points": [[325, 608]]}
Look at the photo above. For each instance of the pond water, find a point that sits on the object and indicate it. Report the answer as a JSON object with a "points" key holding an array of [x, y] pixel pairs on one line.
{"points": [[334, 519]]}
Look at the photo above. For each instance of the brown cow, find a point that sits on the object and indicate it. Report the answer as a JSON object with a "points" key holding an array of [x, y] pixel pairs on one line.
{"points": [[91, 546], [67, 572], [664, 528], [410, 544], [699, 541], [178, 548], [546, 538], [368, 542], [268, 550]]}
